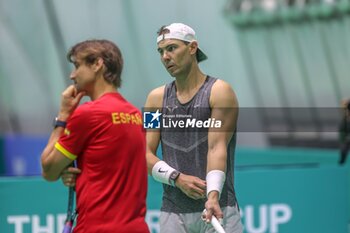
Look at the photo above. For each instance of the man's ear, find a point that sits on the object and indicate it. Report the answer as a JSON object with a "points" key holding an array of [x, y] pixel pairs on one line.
{"points": [[98, 65], [193, 47]]}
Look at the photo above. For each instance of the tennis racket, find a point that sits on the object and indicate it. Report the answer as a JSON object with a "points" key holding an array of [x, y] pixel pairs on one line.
{"points": [[70, 213], [215, 223]]}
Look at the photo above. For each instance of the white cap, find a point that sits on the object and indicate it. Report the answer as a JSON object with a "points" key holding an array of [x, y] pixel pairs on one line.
{"points": [[183, 32]]}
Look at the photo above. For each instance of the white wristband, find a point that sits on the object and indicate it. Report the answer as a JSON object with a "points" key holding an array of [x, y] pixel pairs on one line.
{"points": [[215, 181], [161, 172]]}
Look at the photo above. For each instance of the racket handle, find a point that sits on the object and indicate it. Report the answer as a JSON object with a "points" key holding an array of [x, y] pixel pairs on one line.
{"points": [[217, 226], [67, 228]]}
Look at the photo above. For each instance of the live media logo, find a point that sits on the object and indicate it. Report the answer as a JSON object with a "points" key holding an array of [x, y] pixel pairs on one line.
{"points": [[152, 120]]}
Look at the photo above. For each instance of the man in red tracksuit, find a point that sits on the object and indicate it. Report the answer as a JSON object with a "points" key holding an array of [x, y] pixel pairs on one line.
{"points": [[106, 138]]}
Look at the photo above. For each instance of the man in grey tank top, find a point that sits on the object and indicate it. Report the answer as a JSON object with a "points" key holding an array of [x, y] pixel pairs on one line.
{"points": [[197, 115]]}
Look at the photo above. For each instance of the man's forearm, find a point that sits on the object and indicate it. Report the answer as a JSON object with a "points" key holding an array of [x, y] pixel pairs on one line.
{"points": [[46, 161]]}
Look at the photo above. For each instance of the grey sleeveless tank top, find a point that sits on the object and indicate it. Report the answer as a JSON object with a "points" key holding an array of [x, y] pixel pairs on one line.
{"points": [[185, 149]]}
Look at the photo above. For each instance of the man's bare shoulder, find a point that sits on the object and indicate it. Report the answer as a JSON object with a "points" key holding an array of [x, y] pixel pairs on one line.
{"points": [[155, 97], [157, 92], [222, 95], [222, 85]]}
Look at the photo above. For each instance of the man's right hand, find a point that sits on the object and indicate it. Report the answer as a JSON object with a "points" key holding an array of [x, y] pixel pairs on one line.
{"points": [[70, 99], [192, 186], [69, 176]]}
